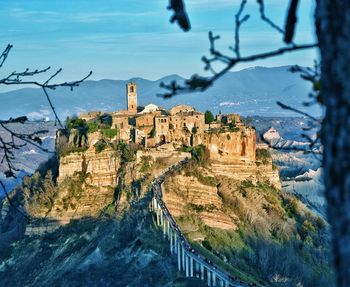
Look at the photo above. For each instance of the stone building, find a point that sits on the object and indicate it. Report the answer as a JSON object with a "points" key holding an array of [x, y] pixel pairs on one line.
{"points": [[229, 119], [131, 97]]}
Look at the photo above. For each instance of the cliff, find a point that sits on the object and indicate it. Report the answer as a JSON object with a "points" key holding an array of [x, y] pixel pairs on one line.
{"points": [[231, 145], [101, 168]]}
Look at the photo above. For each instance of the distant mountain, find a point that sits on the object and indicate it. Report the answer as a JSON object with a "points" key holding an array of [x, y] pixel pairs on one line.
{"points": [[251, 91]]}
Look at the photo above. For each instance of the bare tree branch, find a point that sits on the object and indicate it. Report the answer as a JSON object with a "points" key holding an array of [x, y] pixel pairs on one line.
{"points": [[291, 21]]}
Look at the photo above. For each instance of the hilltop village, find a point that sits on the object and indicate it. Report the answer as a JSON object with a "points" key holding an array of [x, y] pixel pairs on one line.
{"points": [[152, 126]]}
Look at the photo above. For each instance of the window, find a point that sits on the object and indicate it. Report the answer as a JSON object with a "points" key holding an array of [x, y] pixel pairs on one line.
{"points": [[131, 89]]}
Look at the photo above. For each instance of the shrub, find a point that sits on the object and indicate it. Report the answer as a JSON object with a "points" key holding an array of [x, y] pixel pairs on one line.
{"points": [[128, 151], [247, 183], [291, 206], [233, 128], [109, 133], [100, 145], [75, 122], [263, 155], [145, 163], [92, 126], [306, 229]]}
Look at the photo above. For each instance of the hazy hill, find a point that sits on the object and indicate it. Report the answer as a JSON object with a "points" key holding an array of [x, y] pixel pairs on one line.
{"points": [[251, 91]]}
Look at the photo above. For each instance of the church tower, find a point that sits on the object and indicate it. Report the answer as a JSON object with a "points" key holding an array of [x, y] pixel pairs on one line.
{"points": [[131, 97]]}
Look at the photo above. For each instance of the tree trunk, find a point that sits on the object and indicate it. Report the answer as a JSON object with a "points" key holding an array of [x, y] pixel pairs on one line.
{"points": [[333, 32]]}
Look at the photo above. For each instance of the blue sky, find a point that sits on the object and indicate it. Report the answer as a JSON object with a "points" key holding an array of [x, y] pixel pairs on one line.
{"points": [[120, 39]]}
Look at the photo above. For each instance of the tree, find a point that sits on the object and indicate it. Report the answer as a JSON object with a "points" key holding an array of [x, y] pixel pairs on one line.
{"points": [[332, 23], [208, 117]]}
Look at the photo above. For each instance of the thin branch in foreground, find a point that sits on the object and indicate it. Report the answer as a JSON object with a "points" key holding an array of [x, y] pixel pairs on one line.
{"points": [[267, 19], [286, 107], [239, 21]]}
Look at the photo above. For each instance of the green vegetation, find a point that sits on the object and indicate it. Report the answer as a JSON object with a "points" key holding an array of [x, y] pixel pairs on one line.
{"points": [[145, 163], [263, 155], [109, 133], [75, 122], [72, 149], [128, 151], [232, 128], [208, 117], [152, 133], [100, 145], [92, 126], [201, 208]]}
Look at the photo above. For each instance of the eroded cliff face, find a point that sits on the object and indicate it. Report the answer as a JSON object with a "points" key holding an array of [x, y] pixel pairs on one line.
{"points": [[230, 146], [101, 168], [205, 189]]}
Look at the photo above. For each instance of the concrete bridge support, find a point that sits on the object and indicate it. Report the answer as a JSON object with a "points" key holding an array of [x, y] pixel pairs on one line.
{"points": [[214, 279], [179, 256], [187, 266], [183, 257], [191, 266], [196, 264], [171, 240], [202, 272], [175, 242], [209, 277]]}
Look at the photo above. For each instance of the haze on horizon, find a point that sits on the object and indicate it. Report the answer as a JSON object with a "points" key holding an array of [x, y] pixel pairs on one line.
{"points": [[125, 39]]}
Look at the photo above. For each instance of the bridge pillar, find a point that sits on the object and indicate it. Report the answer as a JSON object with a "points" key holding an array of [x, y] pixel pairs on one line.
{"points": [[175, 242], [171, 240], [158, 217], [227, 284], [168, 228], [164, 226], [214, 279], [187, 271], [202, 272], [183, 257], [161, 216], [179, 256], [197, 269], [191, 266], [209, 277]]}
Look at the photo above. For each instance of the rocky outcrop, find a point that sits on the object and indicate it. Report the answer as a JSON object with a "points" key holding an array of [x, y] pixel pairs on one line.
{"points": [[240, 170], [228, 146], [100, 168], [182, 193]]}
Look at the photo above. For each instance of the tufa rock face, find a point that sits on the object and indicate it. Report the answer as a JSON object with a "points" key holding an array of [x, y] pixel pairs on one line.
{"points": [[186, 192], [101, 168], [231, 146]]}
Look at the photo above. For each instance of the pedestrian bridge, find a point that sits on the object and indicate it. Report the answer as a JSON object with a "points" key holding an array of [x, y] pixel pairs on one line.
{"points": [[189, 261]]}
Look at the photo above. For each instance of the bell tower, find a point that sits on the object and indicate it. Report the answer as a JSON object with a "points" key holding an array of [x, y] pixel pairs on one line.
{"points": [[131, 97]]}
